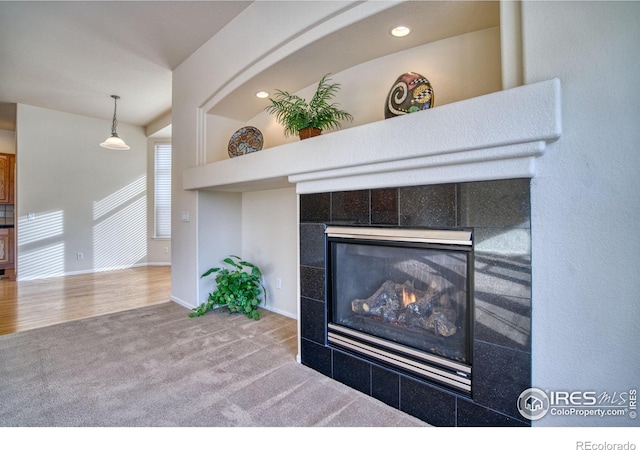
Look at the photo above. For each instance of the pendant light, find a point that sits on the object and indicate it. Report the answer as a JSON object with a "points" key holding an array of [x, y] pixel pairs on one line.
{"points": [[114, 142]]}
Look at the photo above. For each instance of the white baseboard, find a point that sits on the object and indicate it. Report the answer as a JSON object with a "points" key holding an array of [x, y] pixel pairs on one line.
{"points": [[83, 272], [281, 312], [275, 310], [181, 302]]}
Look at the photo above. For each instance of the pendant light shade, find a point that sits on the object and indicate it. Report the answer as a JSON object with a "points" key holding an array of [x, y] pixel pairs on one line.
{"points": [[114, 142]]}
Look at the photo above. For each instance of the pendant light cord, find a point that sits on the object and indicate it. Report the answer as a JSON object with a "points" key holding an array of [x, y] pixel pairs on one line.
{"points": [[114, 123], [114, 142]]}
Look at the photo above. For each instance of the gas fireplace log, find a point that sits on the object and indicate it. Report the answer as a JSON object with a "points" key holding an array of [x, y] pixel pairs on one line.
{"points": [[384, 296], [390, 295], [401, 303], [425, 300], [439, 324]]}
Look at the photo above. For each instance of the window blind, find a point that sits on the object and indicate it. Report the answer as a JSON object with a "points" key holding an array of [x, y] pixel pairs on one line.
{"points": [[162, 190]]}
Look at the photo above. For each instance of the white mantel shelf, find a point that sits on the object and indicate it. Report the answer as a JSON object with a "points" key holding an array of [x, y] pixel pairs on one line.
{"points": [[495, 136]]}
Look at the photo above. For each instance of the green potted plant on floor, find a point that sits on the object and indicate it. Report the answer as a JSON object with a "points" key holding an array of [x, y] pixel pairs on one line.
{"points": [[308, 119], [238, 287]]}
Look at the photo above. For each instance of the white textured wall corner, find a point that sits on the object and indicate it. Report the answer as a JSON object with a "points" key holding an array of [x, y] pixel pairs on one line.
{"points": [[585, 207]]}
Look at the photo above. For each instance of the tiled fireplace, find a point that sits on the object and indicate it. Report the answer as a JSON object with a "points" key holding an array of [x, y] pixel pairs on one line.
{"points": [[498, 214], [467, 165]]}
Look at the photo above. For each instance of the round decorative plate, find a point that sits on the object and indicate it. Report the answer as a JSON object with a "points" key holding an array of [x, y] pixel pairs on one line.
{"points": [[245, 140], [411, 92]]}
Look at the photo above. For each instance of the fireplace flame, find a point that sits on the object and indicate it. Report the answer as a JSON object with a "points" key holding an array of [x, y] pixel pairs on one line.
{"points": [[407, 298]]}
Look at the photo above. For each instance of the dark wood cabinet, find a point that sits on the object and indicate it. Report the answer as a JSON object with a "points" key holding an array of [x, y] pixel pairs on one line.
{"points": [[7, 258], [7, 197], [7, 171]]}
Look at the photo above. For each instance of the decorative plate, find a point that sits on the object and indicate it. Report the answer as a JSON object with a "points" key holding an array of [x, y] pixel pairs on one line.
{"points": [[245, 140], [411, 92]]}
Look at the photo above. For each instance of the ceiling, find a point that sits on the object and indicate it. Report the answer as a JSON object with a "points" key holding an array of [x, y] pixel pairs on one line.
{"points": [[360, 42], [72, 55]]}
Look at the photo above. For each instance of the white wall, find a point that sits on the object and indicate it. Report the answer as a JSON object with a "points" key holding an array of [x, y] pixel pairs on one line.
{"points": [[585, 202], [82, 198], [258, 227], [7, 141], [219, 235], [270, 240]]}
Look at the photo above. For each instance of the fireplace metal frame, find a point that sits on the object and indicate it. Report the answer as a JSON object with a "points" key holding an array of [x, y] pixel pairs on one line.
{"points": [[422, 364]]}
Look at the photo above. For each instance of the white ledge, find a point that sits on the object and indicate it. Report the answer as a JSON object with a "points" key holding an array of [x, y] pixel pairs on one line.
{"points": [[495, 136]]}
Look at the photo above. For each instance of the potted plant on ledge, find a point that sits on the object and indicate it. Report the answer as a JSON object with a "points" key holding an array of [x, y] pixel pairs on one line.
{"points": [[308, 119]]}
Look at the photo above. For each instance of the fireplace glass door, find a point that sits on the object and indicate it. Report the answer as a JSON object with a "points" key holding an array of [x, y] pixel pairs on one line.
{"points": [[402, 294]]}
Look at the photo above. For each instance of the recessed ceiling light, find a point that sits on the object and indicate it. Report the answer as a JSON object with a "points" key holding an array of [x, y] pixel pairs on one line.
{"points": [[262, 94], [400, 31]]}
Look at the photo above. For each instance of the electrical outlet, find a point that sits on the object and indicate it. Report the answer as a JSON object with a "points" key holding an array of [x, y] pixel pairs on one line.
{"points": [[279, 283], [79, 255], [166, 249]]}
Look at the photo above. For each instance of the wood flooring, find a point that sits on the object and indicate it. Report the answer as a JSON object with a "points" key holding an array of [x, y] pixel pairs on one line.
{"points": [[29, 304]]}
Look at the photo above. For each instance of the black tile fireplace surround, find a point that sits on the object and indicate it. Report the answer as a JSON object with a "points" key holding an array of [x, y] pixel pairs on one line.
{"points": [[499, 213]]}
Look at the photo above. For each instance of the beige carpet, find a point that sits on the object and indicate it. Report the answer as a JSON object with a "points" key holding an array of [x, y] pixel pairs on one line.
{"points": [[156, 367]]}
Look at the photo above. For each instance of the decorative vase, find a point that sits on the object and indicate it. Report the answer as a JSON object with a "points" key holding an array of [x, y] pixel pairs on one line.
{"points": [[309, 132], [245, 140], [410, 93]]}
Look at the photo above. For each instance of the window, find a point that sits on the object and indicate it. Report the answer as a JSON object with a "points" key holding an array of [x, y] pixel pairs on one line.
{"points": [[162, 190]]}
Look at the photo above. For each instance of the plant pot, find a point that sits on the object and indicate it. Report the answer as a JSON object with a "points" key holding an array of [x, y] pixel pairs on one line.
{"points": [[309, 132]]}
